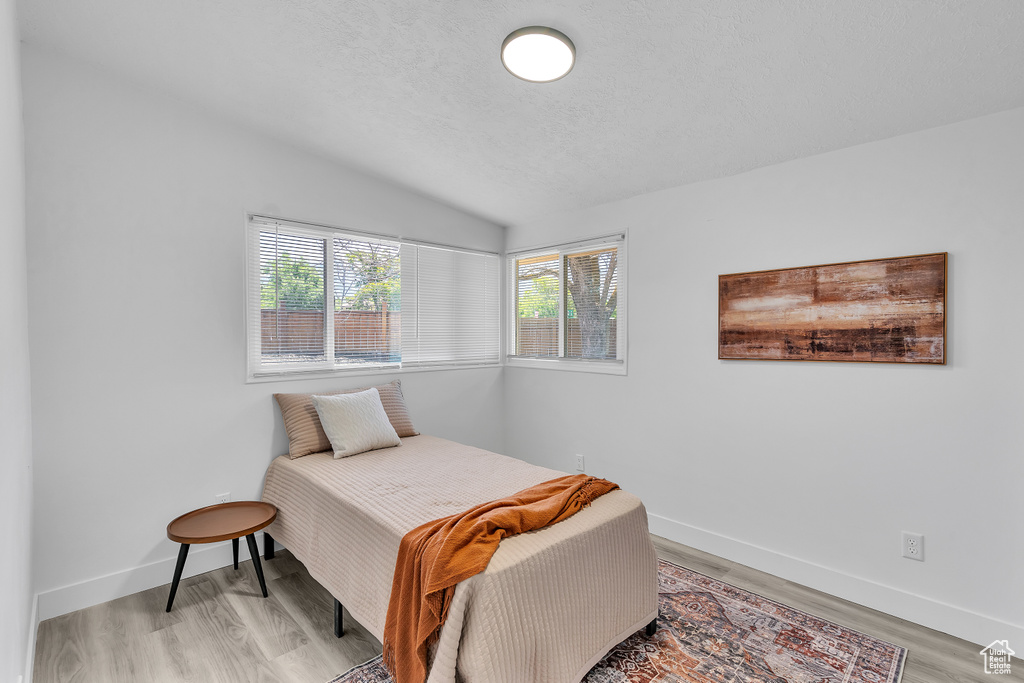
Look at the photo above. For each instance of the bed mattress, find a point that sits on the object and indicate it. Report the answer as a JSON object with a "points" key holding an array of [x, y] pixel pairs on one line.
{"points": [[549, 605]]}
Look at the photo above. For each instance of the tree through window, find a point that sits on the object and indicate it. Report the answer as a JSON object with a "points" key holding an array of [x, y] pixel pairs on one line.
{"points": [[592, 282]]}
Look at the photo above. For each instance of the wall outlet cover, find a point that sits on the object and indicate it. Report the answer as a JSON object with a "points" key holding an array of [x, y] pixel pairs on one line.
{"points": [[913, 546]]}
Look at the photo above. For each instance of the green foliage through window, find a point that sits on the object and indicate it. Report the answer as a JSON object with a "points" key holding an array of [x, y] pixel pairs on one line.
{"points": [[291, 283], [368, 276]]}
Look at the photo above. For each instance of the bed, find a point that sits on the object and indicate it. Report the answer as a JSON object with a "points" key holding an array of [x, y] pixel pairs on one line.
{"points": [[549, 605]]}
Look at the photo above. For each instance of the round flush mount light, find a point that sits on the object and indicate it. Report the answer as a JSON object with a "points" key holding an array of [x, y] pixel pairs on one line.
{"points": [[538, 54]]}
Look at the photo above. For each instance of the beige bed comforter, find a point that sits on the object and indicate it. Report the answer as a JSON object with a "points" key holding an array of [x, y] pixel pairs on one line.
{"points": [[549, 605]]}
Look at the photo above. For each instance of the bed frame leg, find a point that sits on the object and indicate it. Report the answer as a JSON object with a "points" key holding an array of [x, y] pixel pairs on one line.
{"points": [[268, 546], [339, 620], [652, 627]]}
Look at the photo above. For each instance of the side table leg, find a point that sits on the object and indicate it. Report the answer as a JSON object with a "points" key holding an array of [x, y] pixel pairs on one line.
{"points": [[234, 551], [182, 554], [255, 554]]}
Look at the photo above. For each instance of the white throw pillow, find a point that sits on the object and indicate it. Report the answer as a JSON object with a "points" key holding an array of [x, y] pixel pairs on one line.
{"points": [[355, 423]]}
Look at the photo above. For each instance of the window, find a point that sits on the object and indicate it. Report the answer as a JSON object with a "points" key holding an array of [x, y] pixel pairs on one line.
{"points": [[567, 306], [323, 300]]}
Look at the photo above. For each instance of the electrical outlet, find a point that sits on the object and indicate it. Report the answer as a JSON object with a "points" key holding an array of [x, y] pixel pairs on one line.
{"points": [[580, 466], [913, 546], [223, 497]]}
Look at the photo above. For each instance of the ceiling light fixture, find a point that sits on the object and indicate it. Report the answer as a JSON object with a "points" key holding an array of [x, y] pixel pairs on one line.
{"points": [[538, 54]]}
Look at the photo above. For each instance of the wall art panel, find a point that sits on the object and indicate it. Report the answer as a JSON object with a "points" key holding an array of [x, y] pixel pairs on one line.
{"points": [[889, 310]]}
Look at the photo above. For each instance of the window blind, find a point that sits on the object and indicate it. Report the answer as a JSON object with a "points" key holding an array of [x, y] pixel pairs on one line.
{"points": [[291, 299], [367, 302], [323, 300], [591, 301], [452, 307], [537, 304], [568, 302]]}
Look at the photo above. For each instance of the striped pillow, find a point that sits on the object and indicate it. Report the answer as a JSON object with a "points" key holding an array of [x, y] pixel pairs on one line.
{"points": [[306, 434]]}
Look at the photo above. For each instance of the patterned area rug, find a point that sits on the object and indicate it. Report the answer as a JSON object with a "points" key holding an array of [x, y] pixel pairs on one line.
{"points": [[711, 632]]}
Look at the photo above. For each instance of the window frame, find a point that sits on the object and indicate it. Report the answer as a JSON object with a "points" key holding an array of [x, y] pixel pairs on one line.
{"points": [[257, 373], [617, 366]]}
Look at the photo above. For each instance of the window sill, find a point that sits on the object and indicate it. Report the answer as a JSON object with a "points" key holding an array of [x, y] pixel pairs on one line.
{"points": [[600, 367], [360, 372]]}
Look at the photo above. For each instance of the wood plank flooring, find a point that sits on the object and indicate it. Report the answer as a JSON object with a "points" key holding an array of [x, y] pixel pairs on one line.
{"points": [[222, 631]]}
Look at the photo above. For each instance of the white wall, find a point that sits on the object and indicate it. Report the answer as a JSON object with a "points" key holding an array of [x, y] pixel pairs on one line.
{"points": [[135, 224], [16, 620], [811, 470], [136, 206]]}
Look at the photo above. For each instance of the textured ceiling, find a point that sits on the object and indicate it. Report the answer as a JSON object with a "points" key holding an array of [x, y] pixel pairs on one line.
{"points": [[663, 92]]}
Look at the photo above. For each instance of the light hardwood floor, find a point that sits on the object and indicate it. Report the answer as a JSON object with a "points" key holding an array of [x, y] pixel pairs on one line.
{"points": [[222, 631]]}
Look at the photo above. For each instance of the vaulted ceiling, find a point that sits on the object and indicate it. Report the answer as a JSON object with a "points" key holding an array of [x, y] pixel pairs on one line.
{"points": [[664, 92]]}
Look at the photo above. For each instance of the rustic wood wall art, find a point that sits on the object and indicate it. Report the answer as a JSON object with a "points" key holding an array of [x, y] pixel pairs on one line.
{"points": [[886, 310]]}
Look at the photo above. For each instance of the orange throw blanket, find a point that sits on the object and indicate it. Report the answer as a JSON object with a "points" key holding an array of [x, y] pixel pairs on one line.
{"points": [[432, 558]]}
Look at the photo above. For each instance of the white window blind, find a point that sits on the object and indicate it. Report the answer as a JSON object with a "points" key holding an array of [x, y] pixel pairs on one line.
{"points": [[291, 298], [591, 301], [567, 304], [452, 308], [322, 300], [538, 304], [367, 302]]}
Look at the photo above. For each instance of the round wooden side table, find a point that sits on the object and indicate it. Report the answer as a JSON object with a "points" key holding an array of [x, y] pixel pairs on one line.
{"points": [[219, 523]]}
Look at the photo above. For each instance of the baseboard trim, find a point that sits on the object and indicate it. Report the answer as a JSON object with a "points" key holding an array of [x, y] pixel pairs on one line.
{"points": [[934, 614], [30, 651], [201, 559]]}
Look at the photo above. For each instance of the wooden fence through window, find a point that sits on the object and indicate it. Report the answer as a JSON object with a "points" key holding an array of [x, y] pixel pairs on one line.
{"points": [[370, 335], [539, 337], [373, 335]]}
